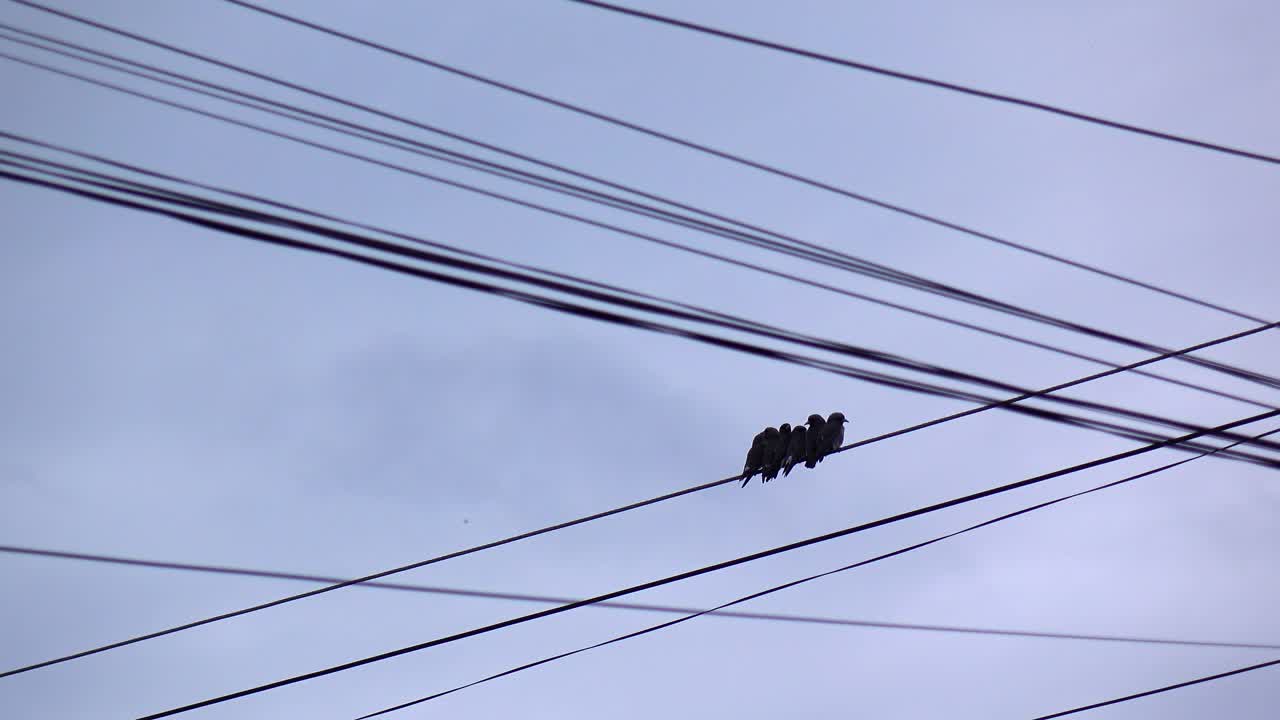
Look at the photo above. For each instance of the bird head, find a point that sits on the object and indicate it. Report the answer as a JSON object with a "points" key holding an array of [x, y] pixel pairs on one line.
{"points": [[837, 418], [784, 428], [770, 432], [815, 419]]}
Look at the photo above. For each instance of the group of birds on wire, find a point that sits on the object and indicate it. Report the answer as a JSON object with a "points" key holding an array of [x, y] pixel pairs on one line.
{"points": [[781, 448]]}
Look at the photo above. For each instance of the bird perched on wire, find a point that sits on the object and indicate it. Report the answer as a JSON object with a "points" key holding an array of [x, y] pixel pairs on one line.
{"points": [[795, 449], [770, 446], [755, 458], [832, 435], [775, 452], [813, 440]]}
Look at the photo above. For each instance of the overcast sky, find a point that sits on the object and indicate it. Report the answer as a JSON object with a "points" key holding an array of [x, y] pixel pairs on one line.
{"points": [[175, 394]]}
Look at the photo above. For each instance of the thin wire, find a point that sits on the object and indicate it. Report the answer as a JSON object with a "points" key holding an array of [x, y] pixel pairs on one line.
{"points": [[581, 193], [920, 79], [785, 586], [703, 316], [514, 295], [619, 122], [955, 293], [694, 573], [1157, 691], [642, 607]]}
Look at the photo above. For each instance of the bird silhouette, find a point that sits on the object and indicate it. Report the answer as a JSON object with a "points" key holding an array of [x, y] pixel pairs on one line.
{"points": [[775, 452], [795, 450], [832, 434], [768, 458], [812, 440], [755, 458]]}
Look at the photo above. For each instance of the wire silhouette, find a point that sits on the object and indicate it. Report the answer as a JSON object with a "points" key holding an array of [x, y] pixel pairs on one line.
{"points": [[785, 586], [773, 170], [700, 315], [931, 82], [1159, 690], [581, 311], [826, 537], [642, 607], [859, 265]]}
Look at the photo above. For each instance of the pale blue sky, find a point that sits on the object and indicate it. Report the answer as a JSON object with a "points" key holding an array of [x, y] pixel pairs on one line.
{"points": [[179, 395]]}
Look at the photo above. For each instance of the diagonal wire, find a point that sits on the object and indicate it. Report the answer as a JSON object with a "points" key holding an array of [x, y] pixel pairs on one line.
{"points": [[826, 537], [699, 315], [867, 266], [724, 343], [931, 82], [1159, 690], [796, 278], [793, 583], [740, 160], [642, 607]]}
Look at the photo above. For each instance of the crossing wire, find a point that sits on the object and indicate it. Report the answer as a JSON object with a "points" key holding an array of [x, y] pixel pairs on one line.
{"points": [[826, 537], [740, 160], [595, 315], [864, 267], [955, 293], [642, 607], [374, 135], [704, 316], [794, 583]]}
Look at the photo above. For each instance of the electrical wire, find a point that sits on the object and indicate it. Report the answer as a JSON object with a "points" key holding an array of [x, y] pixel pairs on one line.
{"points": [[642, 607], [864, 267], [931, 82], [419, 240], [720, 320], [1159, 690], [785, 586], [547, 303], [773, 170], [826, 537], [733, 261]]}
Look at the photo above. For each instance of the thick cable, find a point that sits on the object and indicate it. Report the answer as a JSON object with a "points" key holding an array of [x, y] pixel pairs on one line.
{"points": [[785, 586], [692, 573], [722, 320], [472, 285], [773, 170], [949, 291]]}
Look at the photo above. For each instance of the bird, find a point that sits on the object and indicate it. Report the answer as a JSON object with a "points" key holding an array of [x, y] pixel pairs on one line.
{"points": [[832, 434], [755, 458], [768, 458], [775, 452], [795, 449], [812, 451]]}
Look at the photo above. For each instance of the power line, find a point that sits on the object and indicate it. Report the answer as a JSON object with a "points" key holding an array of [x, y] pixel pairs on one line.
{"points": [[784, 586], [576, 310], [619, 122], [922, 80], [708, 228], [643, 607], [826, 537], [863, 266], [932, 287], [800, 279], [1159, 690], [700, 315], [795, 278]]}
